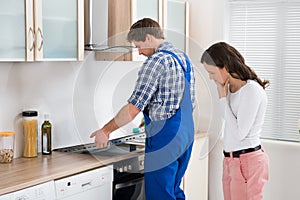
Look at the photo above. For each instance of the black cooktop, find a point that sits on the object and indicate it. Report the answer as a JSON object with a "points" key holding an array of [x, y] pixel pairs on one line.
{"points": [[91, 147]]}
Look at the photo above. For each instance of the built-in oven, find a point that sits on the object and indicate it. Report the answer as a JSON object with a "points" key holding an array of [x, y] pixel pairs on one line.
{"points": [[128, 183]]}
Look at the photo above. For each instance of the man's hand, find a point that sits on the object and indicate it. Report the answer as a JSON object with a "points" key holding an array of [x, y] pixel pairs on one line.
{"points": [[124, 116], [101, 139]]}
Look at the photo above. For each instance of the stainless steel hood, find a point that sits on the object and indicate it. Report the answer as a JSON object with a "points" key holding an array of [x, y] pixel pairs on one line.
{"points": [[95, 24], [96, 28]]}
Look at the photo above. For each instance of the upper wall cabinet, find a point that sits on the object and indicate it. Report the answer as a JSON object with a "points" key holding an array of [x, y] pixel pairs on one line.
{"points": [[41, 30], [63, 31], [12, 36], [176, 23], [146, 9], [172, 15]]}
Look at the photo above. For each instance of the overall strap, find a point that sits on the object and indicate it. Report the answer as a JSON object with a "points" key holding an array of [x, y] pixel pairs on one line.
{"points": [[188, 63]]}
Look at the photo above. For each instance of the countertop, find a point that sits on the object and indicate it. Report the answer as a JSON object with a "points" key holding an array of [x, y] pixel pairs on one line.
{"points": [[26, 172]]}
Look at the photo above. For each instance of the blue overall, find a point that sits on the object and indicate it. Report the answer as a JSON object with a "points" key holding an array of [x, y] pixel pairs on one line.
{"points": [[168, 147]]}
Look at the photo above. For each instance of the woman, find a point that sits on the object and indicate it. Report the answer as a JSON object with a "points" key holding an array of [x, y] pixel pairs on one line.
{"points": [[245, 164]]}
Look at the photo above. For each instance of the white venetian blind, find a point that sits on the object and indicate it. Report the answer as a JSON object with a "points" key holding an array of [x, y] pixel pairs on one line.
{"points": [[267, 33]]}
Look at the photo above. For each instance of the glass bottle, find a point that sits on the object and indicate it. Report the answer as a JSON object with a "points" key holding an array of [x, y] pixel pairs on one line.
{"points": [[30, 133], [46, 136]]}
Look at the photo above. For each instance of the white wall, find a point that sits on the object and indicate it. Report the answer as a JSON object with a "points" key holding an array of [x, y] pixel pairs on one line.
{"points": [[207, 25], [80, 96]]}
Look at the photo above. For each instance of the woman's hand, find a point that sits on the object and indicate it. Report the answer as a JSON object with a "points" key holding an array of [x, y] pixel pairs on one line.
{"points": [[223, 87]]}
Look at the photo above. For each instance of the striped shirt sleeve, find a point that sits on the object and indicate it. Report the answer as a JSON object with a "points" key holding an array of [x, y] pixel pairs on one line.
{"points": [[147, 83]]}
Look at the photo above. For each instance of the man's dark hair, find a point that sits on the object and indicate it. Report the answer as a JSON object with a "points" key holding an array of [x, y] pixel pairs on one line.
{"points": [[141, 28]]}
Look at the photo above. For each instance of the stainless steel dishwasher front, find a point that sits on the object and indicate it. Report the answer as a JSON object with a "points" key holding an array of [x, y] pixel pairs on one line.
{"points": [[90, 185]]}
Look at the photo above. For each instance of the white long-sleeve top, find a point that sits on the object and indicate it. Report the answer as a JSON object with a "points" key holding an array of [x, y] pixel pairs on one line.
{"points": [[244, 116]]}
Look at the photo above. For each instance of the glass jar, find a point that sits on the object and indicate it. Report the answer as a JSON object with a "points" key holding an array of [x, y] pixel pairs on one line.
{"points": [[30, 126], [7, 141]]}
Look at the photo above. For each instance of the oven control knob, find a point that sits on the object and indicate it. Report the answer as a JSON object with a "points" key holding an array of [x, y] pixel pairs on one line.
{"points": [[125, 168], [142, 163], [129, 167], [121, 169]]}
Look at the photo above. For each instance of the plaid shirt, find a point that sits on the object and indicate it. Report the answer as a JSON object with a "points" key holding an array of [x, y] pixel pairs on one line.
{"points": [[160, 84]]}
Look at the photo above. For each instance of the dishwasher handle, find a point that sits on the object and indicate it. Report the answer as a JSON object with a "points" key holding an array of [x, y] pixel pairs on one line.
{"points": [[86, 184]]}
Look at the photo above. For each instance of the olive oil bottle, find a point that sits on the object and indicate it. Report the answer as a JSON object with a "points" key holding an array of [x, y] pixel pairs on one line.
{"points": [[46, 136]]}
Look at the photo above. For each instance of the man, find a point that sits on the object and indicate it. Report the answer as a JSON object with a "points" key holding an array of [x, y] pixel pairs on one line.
{"points": [[165, 93]]}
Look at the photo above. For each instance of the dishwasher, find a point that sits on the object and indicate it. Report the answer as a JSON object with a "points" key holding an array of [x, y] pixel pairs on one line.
{"points": [[90, 185], [43, 191]]}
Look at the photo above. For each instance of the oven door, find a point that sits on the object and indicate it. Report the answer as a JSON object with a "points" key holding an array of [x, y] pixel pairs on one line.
{"points": [[130, 186]]}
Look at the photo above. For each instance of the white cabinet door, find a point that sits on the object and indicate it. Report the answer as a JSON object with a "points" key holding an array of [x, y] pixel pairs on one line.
{"points": [[12, 36], [146, 9], [60, 29], [195, 181], [176, 23]]}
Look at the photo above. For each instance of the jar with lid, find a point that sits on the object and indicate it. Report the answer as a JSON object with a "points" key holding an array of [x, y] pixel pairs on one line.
{"points": [[30, 127], [7, 141]]}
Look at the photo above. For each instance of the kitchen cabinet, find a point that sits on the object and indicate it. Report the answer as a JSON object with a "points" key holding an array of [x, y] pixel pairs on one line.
{"points": [[35, 30], [146, 8], [195, 181], [12, 23], [176, 23], [172, 15]]}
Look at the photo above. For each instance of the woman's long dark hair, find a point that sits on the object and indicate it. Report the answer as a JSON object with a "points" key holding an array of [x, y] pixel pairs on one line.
{"points": [[223, 55]]}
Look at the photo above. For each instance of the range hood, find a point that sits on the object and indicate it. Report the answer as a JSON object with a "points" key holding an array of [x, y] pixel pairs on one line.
{"points": [[98, 35], [95, 24]]}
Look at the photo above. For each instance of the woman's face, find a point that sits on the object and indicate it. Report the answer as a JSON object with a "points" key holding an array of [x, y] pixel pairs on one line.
{"points": [[219, 75]]}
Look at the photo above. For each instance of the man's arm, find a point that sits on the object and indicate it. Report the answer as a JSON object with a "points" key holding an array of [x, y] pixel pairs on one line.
{"points": [[124, 116]]}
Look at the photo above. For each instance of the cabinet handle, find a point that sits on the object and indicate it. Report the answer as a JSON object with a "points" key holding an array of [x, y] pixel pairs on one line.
{"points": [[32, 34], [42, 41]]}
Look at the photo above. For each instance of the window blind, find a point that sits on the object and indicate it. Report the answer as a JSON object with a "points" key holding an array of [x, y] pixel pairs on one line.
{"points": [[267, 33]]}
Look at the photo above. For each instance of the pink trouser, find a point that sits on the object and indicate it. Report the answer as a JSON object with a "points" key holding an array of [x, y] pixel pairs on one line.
{"points": [[245, 177]]}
